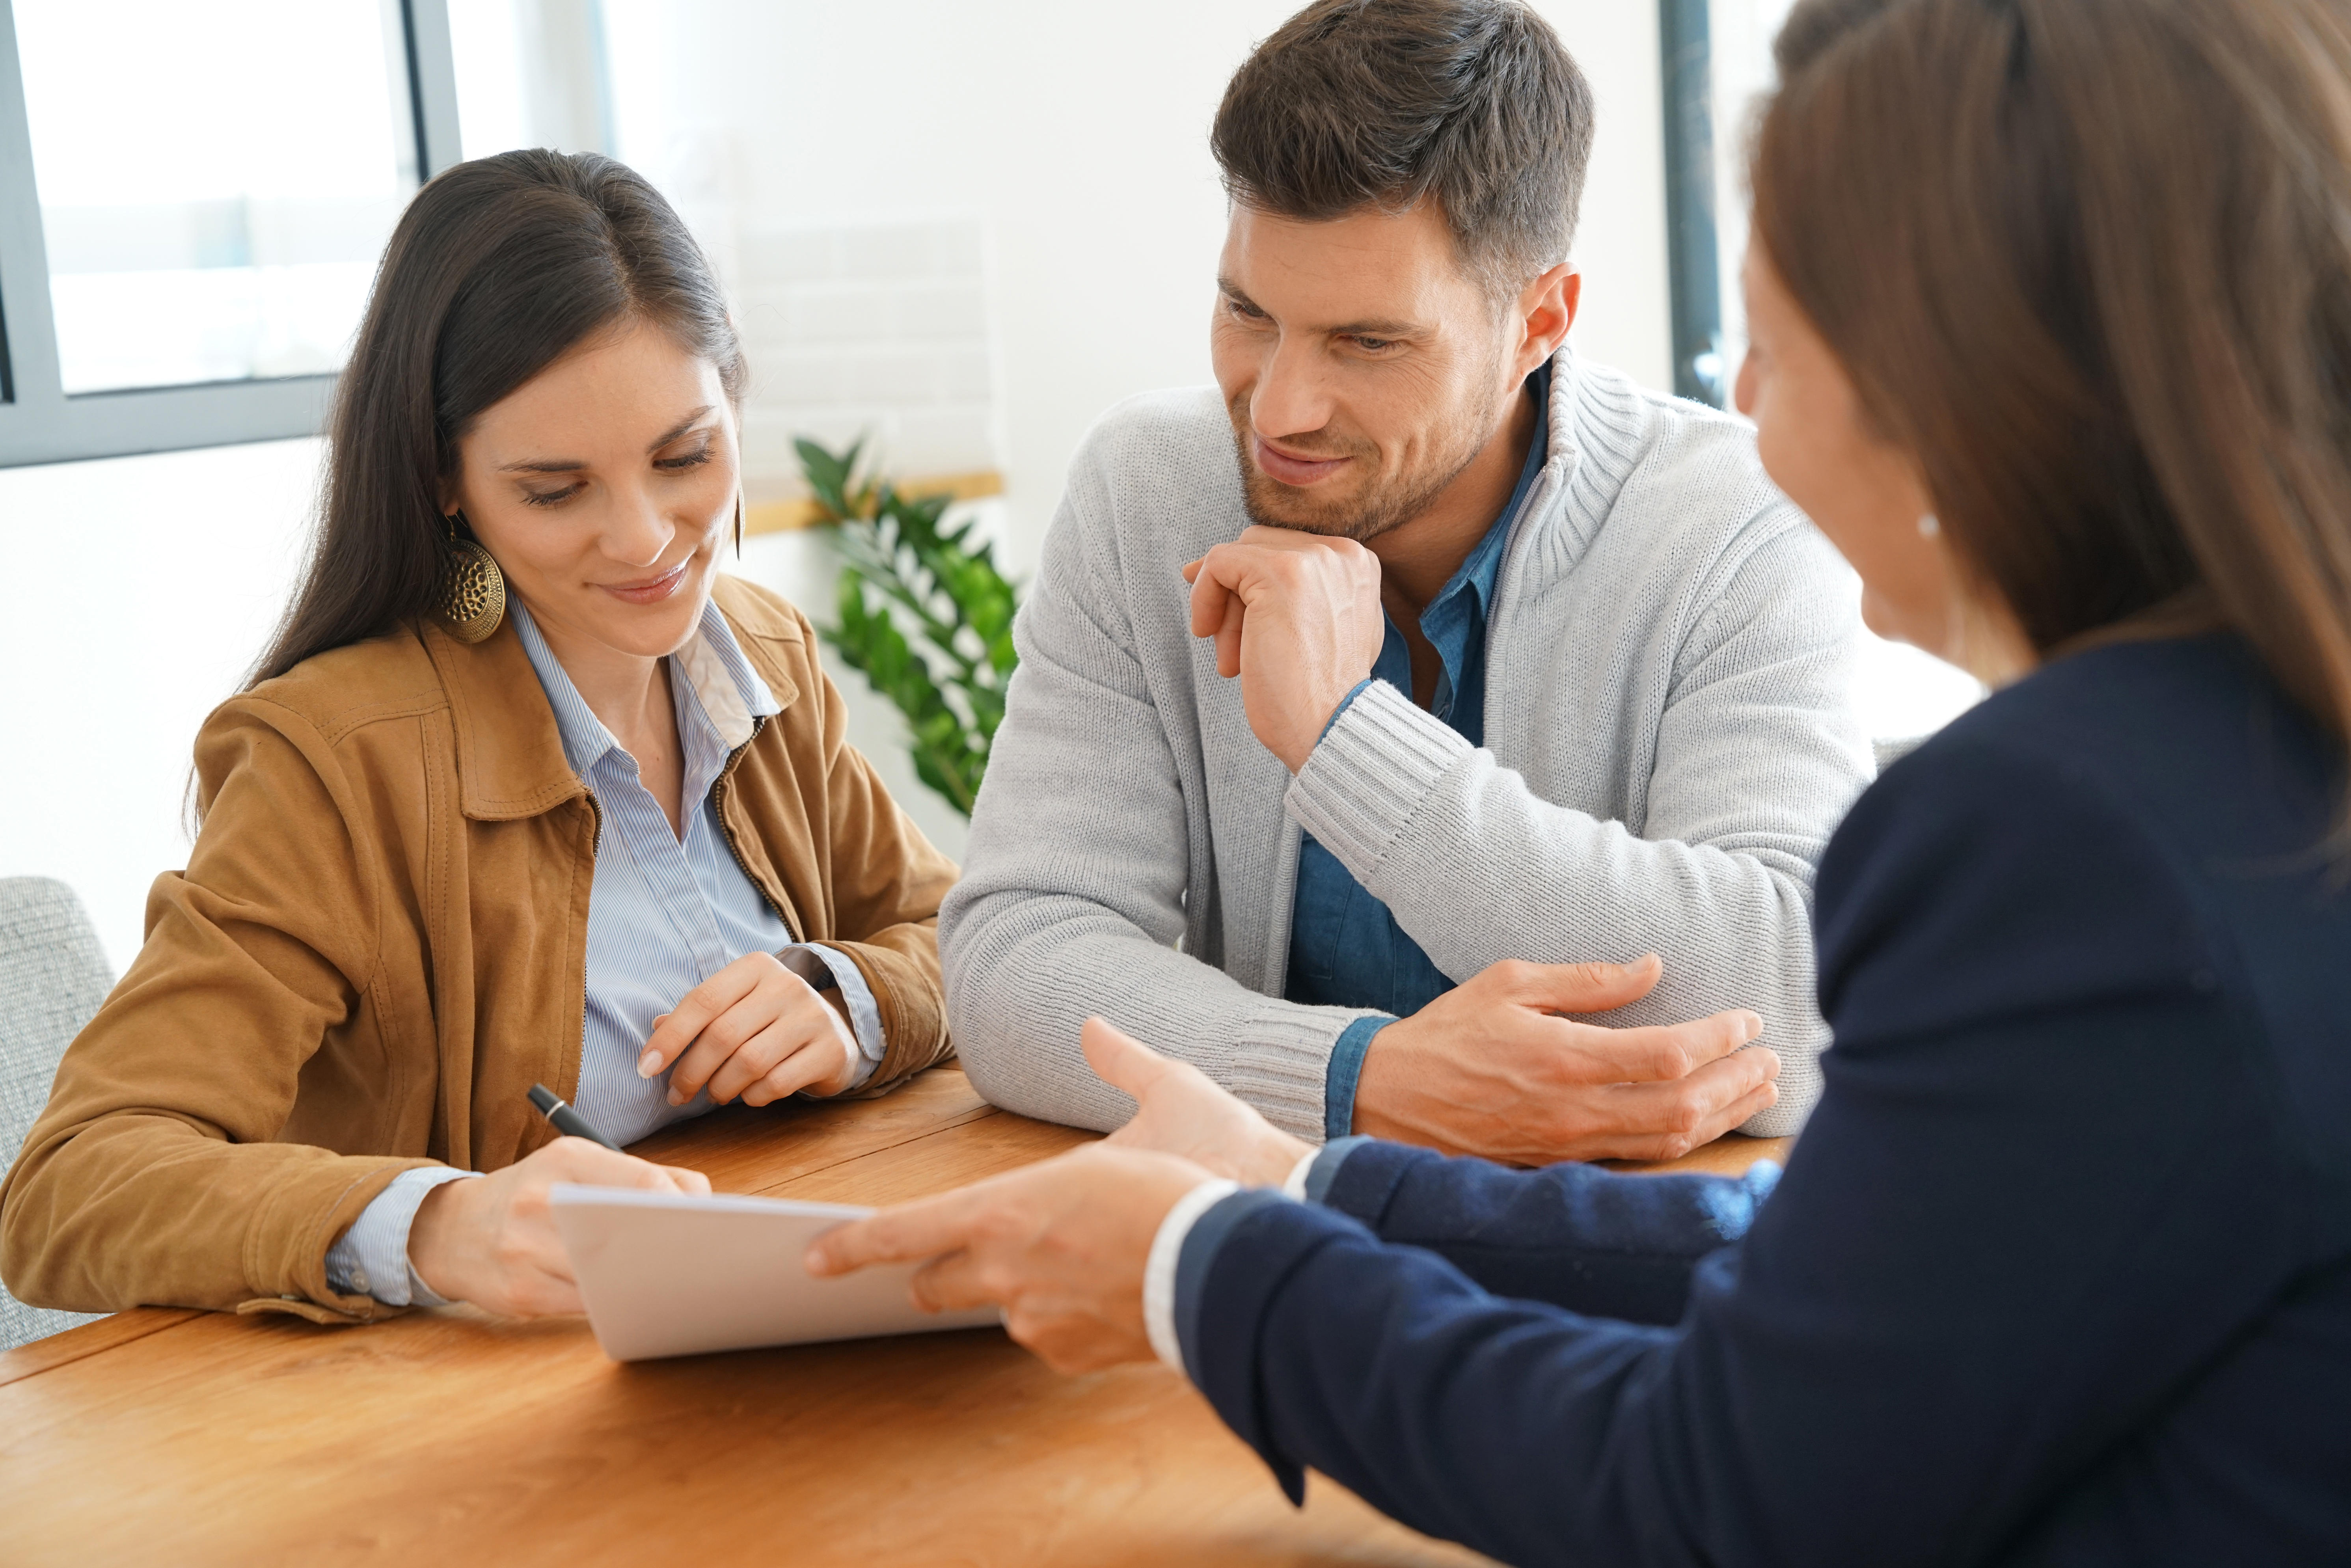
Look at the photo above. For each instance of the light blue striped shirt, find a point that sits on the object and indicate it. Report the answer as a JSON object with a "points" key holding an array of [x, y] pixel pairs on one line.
{"points": [[663, 916]]}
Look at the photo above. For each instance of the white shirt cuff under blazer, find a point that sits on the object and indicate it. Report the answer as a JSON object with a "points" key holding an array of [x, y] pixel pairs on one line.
{"points": [[1293, 1185], [1159, 1269], [1670, 739]]}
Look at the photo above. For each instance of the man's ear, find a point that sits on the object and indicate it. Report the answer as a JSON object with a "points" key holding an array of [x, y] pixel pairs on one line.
{"points": [[1547, 309]]}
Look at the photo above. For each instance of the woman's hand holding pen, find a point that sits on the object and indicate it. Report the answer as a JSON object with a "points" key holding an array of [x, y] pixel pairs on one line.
{"points": [[492, 1241], [754, 1029]]}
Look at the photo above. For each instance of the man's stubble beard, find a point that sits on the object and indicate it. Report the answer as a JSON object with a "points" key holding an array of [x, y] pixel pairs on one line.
{"points": [[1389, 504]]}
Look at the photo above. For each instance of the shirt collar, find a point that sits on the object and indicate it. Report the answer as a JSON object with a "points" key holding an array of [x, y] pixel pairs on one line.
{"points": [[1480, 573], [732, 696]]}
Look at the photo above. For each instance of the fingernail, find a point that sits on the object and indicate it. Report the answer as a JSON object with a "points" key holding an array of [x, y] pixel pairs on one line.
{"points": [[647, 1064], [675, 1098], [1753, 1026]]}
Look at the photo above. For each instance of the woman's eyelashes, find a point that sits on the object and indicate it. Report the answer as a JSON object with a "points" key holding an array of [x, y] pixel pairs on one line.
{"points": [[677, 465], [694, 459]]}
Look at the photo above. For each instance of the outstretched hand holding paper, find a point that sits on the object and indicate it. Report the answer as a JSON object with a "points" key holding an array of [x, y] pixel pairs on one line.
{"points": [[1062, 1244], [676, 1274]]}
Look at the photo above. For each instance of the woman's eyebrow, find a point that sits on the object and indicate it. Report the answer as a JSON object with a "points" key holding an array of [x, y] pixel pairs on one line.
{"points": [[573, 464], [680, 428]]}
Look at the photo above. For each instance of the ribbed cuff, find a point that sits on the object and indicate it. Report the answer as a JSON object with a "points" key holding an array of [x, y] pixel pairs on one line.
{"points": [[1344, 703], [1367, 776], [1281, 1063]]}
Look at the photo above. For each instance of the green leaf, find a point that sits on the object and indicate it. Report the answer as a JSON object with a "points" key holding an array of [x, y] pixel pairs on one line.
{"points": [[937, 583]]}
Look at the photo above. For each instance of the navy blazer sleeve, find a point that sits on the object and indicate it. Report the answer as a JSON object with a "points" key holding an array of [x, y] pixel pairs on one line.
{"points": [[1573, 1235], [1994, 1253]]}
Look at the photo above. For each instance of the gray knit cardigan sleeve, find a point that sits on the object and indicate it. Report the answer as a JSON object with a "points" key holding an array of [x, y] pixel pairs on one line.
{"points": [[1090, 862]]}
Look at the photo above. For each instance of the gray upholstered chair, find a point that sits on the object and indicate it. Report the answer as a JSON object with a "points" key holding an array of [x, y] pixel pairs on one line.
{"points": [[52, 978]]}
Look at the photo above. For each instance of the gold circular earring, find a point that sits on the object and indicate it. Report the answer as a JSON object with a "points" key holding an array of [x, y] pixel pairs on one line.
{"points": [[473, 588]]}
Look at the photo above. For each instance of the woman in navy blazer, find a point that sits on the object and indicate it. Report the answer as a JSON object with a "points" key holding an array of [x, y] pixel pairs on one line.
{"points": [[2050, 306]]}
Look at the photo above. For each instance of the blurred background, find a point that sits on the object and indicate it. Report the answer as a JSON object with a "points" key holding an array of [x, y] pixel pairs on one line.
{"points": [[958, 229]]}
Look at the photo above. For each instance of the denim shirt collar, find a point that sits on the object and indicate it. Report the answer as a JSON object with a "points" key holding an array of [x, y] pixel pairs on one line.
{"points": [[1458, 617], [1480, 573], [729, 697]]}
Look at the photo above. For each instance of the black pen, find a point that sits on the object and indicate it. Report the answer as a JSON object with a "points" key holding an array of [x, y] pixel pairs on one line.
{"points": [[565, 1120]]}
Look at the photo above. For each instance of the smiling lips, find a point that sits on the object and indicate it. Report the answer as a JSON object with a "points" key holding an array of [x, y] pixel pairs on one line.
{"points": [[1275, 463], [652, 590]]}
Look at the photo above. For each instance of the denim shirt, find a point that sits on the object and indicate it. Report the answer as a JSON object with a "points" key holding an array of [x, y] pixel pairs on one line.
{"points": [[664, 914], [1346, 946]]}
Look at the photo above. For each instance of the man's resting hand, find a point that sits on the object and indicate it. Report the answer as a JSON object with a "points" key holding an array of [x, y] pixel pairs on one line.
{"points": [[1487, 1069]]}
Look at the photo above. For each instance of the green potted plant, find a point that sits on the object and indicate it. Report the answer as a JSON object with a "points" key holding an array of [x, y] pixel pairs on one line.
{"points": [[906, 571]]}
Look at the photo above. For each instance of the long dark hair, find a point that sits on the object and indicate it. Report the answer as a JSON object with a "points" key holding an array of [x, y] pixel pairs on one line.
{"points": [[497, 268], [2090, 262]]}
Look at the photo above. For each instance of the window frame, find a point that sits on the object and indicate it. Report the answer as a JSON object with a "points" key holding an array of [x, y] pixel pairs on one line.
{"points": [[1693, 239], [39, 422]]}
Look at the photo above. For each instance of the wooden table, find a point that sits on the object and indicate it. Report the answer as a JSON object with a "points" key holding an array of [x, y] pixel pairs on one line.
{"points": [[449, 1437]]}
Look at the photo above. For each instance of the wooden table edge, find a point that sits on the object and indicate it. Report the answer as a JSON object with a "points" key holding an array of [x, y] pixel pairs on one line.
{"points": [[89, 1339], [70, 1345]]}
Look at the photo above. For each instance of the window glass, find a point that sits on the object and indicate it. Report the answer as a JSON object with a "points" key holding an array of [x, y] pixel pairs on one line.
{"points": [[531, 73], [1741, 32], [216, 182]]}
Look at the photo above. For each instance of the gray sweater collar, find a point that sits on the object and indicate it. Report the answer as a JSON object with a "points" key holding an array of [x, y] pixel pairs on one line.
{"points": [[1598, 423]]}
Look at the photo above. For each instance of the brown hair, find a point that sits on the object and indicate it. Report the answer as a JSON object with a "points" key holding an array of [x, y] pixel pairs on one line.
{"points": [[497, 268], [2090, 262], [1380, 103]]}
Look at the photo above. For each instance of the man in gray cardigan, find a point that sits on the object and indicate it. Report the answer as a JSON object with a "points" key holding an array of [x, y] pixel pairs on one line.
{"points": [[1377, 704]]}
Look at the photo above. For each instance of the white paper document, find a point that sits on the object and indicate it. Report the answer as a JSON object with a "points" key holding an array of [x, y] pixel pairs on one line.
{"points": [[668, 1274]]}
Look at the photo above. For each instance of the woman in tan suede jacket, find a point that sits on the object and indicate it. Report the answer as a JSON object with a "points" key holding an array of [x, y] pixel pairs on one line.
{"points": [[385, 935]]}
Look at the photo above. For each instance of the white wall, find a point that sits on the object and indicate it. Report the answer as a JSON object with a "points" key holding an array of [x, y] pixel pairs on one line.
{"points": [[1077, 133], [141, 587]]}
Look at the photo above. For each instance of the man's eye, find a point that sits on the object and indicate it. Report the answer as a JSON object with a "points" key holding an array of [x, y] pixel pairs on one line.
{"points": [[1374, 345]]}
